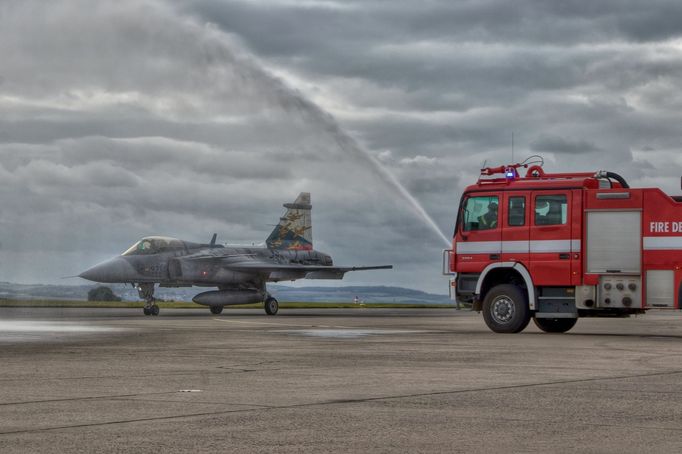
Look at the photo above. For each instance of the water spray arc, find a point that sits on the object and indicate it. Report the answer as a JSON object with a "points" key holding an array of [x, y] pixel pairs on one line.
{"points": [[292, 100], [274, 91], [414, 203], [346, 142]]}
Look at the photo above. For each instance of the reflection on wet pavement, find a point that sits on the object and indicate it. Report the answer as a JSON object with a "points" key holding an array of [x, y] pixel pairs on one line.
{"points": [[32, 331], [345, 333]]}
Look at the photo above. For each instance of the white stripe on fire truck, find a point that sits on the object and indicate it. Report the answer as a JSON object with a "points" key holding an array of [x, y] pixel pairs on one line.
{"points": [[479, 247], [662, 242], [537, 246], [575, 245], [551, 246], [515, 247]]}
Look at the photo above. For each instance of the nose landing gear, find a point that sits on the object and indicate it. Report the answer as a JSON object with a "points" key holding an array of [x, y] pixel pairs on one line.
{"points": [[146, 292]]}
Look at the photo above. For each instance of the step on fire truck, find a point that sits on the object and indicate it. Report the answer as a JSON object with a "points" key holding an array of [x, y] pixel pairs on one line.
{"points": [[558, 246]]}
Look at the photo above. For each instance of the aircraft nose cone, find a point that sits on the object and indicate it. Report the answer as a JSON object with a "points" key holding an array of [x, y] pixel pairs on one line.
{"points": [[113, 270]]}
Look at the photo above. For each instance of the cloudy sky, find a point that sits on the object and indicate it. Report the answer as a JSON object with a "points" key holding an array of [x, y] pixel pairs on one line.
{"points": [[184, 118]]}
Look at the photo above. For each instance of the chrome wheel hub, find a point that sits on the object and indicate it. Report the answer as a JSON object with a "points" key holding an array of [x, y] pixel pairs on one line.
{"points": [[502, 309]]}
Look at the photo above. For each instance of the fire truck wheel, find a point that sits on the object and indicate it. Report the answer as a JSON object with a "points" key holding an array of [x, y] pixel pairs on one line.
{"points": [[505, 309], [555, 325]]}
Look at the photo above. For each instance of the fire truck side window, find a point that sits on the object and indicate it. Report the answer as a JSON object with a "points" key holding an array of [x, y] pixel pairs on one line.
{"points": [[551, 209], [517, 211], [480, 213]]}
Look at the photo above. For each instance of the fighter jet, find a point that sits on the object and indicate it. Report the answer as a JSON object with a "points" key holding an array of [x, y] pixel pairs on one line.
{"points": [[239, 273]]}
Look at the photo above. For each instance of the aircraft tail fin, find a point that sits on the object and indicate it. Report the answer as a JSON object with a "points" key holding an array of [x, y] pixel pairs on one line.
{"points": [[294, 230]]}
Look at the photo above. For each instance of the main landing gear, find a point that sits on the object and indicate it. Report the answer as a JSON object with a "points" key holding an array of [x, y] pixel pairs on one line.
{"points": [[216, 309], [146, 292], [271, 305], [153, 310]]}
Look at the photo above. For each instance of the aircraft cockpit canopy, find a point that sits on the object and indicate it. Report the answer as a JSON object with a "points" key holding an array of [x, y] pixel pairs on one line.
{"points": [[154, 245]]}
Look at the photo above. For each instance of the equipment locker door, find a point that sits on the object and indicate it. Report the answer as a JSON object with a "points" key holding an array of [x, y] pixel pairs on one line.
{"points": [[479, 241], [550, 237]]}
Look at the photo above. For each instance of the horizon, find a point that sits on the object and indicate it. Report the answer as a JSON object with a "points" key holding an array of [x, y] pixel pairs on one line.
{"points": [[274, 285]]}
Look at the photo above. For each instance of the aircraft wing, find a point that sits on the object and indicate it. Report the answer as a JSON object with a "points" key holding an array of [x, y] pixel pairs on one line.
{"points": [[250, 264], [253, 266], [312, 271]]}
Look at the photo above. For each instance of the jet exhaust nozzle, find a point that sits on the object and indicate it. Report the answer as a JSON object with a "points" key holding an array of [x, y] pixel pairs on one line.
{"points": [[228, 297]]}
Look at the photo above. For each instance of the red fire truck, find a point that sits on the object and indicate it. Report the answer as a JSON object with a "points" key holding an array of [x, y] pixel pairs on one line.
{"points": [[558, 246]]}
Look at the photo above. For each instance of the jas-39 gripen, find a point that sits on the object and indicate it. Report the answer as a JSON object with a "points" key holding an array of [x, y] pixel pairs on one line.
{"points": [[239, 273]]}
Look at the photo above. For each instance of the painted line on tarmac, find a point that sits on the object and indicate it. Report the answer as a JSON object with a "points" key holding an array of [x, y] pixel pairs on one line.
{"points": [[226, 320], [104, 397], [327, 331]]}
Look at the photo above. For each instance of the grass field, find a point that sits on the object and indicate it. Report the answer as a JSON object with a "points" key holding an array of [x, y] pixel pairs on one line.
{"points": [[189, 305]]}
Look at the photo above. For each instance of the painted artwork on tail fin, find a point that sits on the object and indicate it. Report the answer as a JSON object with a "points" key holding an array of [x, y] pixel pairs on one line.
{"points": [[294, 231]]}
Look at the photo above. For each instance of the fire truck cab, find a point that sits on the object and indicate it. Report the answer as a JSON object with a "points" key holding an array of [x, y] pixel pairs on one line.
{"points": [[557, 246]]}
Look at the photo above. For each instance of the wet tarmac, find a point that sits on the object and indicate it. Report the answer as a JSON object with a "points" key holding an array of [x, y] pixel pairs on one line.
{"points": [[355, 380]]}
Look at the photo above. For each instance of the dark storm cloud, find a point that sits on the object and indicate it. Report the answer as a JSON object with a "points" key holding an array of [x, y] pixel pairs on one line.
{"points": [[294, 26], [121, 119], [495, 51], [556, 144], [606, 72]]}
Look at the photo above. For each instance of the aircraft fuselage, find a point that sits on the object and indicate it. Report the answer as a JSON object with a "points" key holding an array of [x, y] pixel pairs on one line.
{"points": [[202, 266]]}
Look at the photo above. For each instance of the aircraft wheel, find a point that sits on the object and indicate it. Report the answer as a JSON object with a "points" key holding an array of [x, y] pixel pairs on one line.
{"points": [[146, 311], [271, 306], [505, 309], [216, 309], [555, 325], [155, 310]]}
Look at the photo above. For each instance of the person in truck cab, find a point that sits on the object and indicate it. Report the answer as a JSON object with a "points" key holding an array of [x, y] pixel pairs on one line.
{"points": [[489, 219], [552, 216]]}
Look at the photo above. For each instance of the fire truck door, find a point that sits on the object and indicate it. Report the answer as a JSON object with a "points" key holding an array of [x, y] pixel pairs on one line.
{"points": [[516, 228], [550, 238], [478, 240]]}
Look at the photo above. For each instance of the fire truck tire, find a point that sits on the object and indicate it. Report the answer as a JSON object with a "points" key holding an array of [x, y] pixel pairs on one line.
{"points": [[505, 309], [555, 325]]}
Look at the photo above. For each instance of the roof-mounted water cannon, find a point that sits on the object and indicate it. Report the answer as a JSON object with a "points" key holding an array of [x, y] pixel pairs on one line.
{"points": [[510, 171]]}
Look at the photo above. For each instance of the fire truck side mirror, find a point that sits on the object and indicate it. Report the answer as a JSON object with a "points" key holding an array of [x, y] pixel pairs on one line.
{"points": [[448, 262]]}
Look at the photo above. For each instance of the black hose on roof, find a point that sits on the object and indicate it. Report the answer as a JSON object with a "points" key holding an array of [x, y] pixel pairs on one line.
{"points": [[619, 179]]}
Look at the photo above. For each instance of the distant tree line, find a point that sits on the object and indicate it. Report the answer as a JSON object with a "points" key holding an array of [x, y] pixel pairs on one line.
{"points": [[102, 294]]}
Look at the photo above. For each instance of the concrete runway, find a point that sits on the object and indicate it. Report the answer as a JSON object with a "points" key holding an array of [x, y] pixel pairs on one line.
{"points": [[372, 380]]}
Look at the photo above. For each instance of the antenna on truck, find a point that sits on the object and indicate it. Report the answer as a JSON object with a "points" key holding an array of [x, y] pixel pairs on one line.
{"points": [[512, 160]]}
